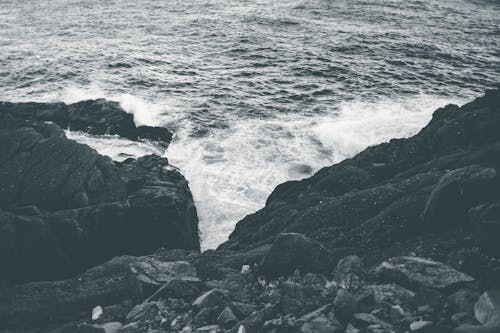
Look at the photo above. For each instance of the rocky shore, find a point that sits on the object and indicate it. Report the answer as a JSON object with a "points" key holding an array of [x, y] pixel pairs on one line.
{"points": [[402, 237]]}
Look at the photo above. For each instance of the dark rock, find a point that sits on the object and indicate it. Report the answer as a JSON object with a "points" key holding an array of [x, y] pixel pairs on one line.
{"points": [[212, 298], [487, 309], [345, 306], [463, 300], [293, 251], [143, 311], [486, 219], [298, 299], [175, 278], [456, 192], [415, 272], [93, 116], [322, 324], [373, 295], [226, 318]]}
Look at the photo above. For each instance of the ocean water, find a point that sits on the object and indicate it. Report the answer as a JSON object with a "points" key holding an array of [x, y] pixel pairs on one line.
{"points": [[257, 92]]}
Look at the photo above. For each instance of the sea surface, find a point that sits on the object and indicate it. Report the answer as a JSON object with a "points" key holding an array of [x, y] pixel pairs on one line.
{"points": [[257, 92]]}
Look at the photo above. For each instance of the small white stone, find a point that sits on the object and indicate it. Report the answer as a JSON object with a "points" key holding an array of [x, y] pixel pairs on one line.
{"points": [[245, 269], [242, 329], [97, 313], [418, 325]]}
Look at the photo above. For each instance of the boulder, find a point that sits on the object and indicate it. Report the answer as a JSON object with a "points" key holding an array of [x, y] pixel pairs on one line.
{"points": [[415, 272], [177, 279], [291, 251], [487, 309], [456, 192]]}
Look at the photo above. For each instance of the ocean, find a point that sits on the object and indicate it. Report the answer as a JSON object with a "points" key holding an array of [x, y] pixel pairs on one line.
{"points": [[256, 92]]}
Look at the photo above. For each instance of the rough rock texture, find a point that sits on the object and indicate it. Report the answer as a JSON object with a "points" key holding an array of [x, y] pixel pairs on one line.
{"points": [[93, 116], [65, 208], [419, 272], [393, 206], [405, 196]]}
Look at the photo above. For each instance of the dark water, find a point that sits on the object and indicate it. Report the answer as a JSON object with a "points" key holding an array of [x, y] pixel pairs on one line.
{"points": [[253, 89]]}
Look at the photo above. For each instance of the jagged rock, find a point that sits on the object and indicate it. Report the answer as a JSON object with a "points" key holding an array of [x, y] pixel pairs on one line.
{"points": [[456, 192], [297, 299], [463, 300], [373, 295], [226, 318], [322, 324], [87, 209], [291, 251], [176, 279], [212, 298], [487, 309], [345, 306], [92, 116], [486, 219], [144, 311], [415, 272]]}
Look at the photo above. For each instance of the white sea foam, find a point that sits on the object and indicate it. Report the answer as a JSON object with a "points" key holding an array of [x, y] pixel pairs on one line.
{"points": [[231, 171]]}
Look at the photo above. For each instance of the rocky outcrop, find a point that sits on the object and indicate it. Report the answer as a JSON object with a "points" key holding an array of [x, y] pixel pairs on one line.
{"points": [[400, 238], [92, 116], [432, 194], [65, 208]]}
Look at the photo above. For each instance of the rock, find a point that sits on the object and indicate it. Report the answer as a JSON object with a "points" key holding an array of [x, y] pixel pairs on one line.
{"points": [[463, 300], [88, 208], [475, 329], [208, 329], [350, 272], [322, 324], [227, 319], [177, 279], [487, 309], [456, 192], [130, 328], [97, 313], [113, 327], [96, 117], [462, 318], [297, 299], [486, 219], [363, 320], [422, 326], [144, 311], [345, 306], [212, 298], [373, 295], [415, 272], [291, 251]]}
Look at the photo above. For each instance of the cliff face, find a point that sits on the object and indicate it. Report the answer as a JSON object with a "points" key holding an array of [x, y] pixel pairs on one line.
{"points": [[433, 193], [65, 208], [402, 237]]}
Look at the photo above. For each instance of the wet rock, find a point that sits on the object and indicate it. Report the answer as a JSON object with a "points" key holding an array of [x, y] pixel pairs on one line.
{"points": [[177, 279], [415, 272], [291, 251], [487, 309]]}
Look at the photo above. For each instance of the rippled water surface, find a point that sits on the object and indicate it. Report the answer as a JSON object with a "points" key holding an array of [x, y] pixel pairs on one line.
{"points": [[257, 92]]}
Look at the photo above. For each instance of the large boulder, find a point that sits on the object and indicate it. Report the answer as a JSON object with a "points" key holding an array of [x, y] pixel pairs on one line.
{"points": [[291, 251], [414, 273], [456, 192], [65, 208]]}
